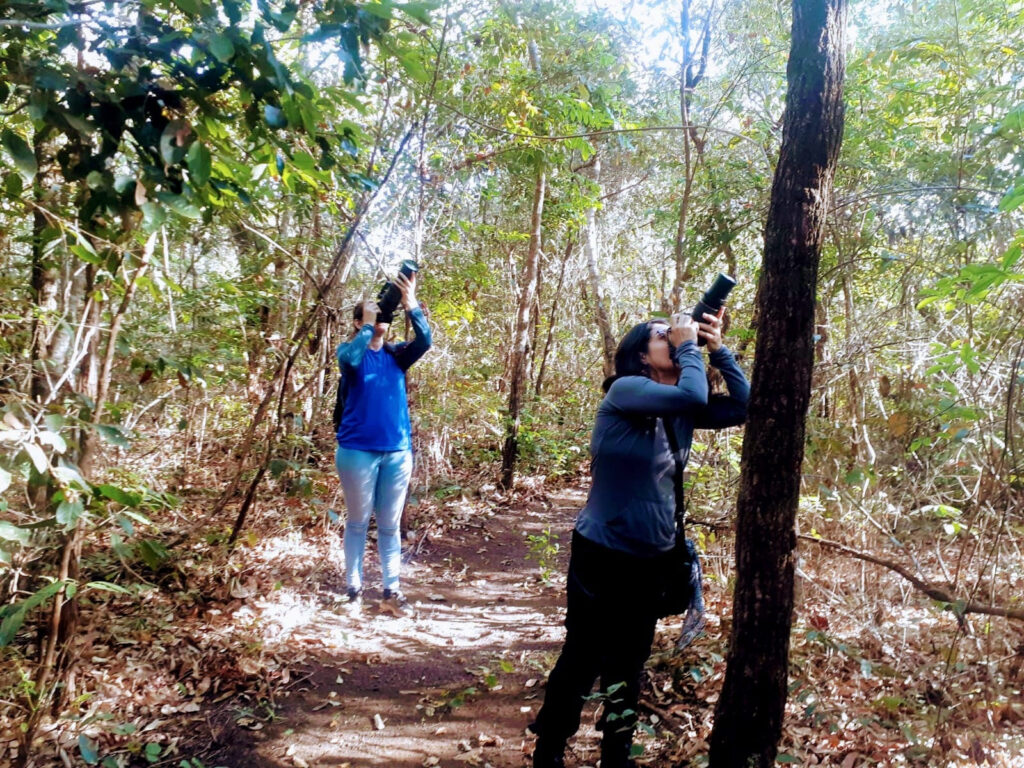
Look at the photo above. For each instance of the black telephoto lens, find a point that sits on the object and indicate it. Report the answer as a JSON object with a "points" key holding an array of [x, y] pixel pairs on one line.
{"points": [[390, 296], [713, 300]]}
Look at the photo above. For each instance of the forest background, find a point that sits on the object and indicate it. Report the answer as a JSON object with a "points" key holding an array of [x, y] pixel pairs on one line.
{"points": [[195, 194]]}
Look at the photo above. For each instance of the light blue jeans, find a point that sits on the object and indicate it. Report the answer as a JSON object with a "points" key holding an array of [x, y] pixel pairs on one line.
{"points": [[374, 483]]}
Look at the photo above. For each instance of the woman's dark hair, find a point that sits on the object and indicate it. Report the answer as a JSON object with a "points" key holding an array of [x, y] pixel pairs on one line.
{"points": [[629, 356], [357, 312]]}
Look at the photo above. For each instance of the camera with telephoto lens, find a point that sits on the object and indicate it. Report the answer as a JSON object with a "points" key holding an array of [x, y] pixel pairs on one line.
{"points": [[390, 296], [712, 301]]}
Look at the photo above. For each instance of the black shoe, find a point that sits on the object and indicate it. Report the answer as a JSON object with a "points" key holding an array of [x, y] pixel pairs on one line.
{"points": [[546, 756], [616, 755], [354, 600]]}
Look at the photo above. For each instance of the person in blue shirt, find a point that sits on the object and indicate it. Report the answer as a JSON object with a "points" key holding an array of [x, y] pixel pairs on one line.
{"points": [[374, 455], [625, 532]]}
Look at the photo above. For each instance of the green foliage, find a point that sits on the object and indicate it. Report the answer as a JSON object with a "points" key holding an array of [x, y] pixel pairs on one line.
{"points": [[543, 547], [13, 615], [199, 163]]}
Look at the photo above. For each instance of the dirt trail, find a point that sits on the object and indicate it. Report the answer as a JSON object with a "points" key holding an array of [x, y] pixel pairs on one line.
{"points": [[453, 685]]}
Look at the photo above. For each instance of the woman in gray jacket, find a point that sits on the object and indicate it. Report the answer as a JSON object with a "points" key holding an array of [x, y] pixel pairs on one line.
{"points": [[627, 529]]}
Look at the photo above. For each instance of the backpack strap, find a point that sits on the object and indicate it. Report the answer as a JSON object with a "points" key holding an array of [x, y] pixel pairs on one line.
{"points": [[677, 476]]}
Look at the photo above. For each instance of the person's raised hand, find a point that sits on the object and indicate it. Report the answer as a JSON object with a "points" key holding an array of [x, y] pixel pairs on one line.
{"points": [[711, 331], [682, 329], [407, 287], [370, 310]]}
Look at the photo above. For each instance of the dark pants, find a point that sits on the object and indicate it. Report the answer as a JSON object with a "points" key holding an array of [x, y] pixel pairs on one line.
{"points": [[609, 623]]}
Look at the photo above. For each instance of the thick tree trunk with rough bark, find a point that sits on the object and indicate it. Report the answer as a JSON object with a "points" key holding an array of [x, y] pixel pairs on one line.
{"points": [[748, 718]]}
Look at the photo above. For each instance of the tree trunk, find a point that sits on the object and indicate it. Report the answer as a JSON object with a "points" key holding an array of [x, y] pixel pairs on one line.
{"points": [[88, 446], [691, 72], [521, 339], [45, 288], [592, 247], [748, 718], [552, 316]]}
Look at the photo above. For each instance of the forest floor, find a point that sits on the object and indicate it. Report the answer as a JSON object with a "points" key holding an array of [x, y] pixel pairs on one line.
{"points": [[453, 684], [250, 659]]}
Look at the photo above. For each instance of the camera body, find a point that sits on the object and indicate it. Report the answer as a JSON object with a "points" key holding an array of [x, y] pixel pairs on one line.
{"points": [[389, 296], [713, 300]]}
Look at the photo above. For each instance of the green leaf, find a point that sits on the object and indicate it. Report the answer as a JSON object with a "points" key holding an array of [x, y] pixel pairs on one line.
{"points": [[380, 10], [54, 422], [419, 11], [14, 615], [88, 749], [222, 47], [1013, 199], [191, 7], [11, 532], [68, 513], [153, 216], [1013, 123], [153, 553], [85, 255], [119, 495], [24, 157], [14, 186], [136, 516], [199, 161], [38, 458], [118, 545], [304, 162], [787, 758], [68, 474], [106, 586], [1012, 255], [53, 440], [182, 207], [411, 63], [113, 434]]}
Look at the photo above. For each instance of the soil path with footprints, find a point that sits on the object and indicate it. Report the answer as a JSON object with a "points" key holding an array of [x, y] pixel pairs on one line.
{"points": [[453, 685]]}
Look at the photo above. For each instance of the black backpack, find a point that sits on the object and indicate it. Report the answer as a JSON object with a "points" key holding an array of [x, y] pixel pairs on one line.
{"points": [[339, 402]]}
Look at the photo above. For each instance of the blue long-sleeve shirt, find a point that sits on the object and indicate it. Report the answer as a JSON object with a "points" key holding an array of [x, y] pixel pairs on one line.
{"points": [[631, 506], [376, 414]]}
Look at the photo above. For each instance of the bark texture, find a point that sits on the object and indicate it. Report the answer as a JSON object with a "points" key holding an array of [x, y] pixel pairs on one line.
{"points": [[748, 718], [520, 356]]}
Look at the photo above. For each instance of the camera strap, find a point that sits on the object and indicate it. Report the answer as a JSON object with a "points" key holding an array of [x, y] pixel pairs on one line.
{"points": [[677, 476]]}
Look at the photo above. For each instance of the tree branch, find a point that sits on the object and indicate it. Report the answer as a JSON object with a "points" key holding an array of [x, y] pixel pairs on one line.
{"points": [[932, 590], [608, 131]]}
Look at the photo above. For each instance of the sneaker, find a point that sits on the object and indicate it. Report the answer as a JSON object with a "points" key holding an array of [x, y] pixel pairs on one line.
{"points": [[396, 604]]}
